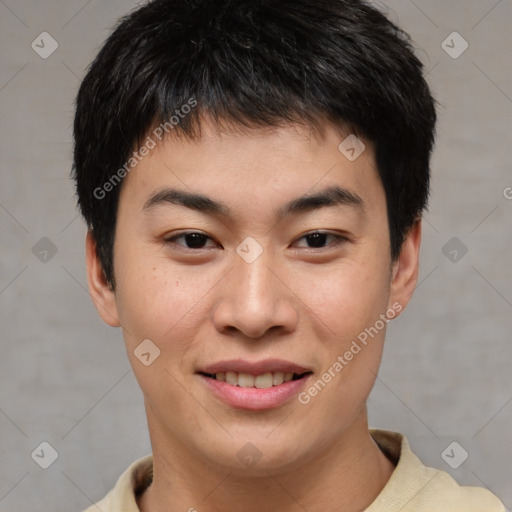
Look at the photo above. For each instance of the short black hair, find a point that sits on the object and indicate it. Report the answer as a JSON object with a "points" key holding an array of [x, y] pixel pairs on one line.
{"points": [[253, 63]]}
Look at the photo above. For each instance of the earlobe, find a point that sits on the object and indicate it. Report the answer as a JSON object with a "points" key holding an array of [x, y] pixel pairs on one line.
{"points": [[102, 294], [405, 268]]}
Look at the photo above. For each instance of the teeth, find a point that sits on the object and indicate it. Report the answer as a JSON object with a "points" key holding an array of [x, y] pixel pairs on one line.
{"points": [[245, 380], [278, 378], [263, 381], [232, 378]]}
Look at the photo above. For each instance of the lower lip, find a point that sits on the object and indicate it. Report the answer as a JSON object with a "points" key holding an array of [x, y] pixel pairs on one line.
{"points": [[254, 399]]}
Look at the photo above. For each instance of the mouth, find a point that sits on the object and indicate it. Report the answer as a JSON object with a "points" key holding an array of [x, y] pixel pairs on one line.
{"points": [[262, 381], [254, 386]]}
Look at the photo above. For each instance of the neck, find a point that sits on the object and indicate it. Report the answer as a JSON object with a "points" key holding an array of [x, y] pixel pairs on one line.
{"points": [[348, 475]]}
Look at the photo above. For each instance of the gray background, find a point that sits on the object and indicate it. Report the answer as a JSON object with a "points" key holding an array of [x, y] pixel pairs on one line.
{"points": [[64, 375]]}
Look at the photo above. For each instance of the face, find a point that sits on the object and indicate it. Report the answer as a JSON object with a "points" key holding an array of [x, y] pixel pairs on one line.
{"points": [[258, 266]]}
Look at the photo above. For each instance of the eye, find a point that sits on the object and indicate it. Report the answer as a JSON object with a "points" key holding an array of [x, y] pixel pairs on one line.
{"points": [[191, 240], [319, 240]]}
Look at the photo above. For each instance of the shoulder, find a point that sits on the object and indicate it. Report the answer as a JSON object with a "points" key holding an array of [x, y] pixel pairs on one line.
{"points": [[123, 497], [414, 487]]}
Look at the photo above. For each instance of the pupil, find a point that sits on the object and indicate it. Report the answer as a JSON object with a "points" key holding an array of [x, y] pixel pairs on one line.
{"points": [[317, 239], [195, 240]]}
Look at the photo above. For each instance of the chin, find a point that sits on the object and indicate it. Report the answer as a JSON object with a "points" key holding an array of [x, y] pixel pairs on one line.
{"points": [[257, 454]]}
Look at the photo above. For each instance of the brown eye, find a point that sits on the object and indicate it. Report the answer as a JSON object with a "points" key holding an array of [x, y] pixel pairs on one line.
{"points": [[192, 240], [195, 240], [319, 240]]}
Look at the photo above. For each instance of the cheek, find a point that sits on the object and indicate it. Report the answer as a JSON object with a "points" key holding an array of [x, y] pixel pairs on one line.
{"points": [[346, 299], [161, 303], [346, 305], [167, 307]]}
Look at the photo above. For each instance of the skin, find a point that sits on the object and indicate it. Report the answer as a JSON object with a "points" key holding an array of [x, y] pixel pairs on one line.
{"points": [[295, 302]]}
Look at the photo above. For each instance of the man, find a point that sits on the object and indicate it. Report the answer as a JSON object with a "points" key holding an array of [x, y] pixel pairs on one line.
{"points": [[253, 175]]}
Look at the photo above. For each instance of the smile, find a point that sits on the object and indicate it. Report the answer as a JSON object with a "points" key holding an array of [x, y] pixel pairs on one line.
{"points": [[254, 385], [263, 381]]}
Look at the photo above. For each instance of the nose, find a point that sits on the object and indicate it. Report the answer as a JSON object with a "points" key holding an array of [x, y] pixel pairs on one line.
{"points": [[255, 299]]}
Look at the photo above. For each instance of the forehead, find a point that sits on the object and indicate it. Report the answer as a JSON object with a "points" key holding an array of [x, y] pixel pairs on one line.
{"points": [[269, 167]]}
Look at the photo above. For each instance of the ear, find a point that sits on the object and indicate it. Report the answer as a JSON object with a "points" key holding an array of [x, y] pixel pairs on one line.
{"points": [[404, 276], [102, 294]]}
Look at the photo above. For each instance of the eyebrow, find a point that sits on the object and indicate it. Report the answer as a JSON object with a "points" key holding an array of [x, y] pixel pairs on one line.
{"points": [[188, 199], [330, 196]]}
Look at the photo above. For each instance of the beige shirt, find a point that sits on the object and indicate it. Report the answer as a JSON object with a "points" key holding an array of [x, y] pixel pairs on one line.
{"points": [[412, 487]]}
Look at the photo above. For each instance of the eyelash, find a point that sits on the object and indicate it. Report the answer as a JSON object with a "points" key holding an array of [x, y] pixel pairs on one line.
{"points": [[339, 239]]}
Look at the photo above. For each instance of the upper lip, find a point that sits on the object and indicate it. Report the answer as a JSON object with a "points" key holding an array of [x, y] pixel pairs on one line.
{"points": [[254, 367]]}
